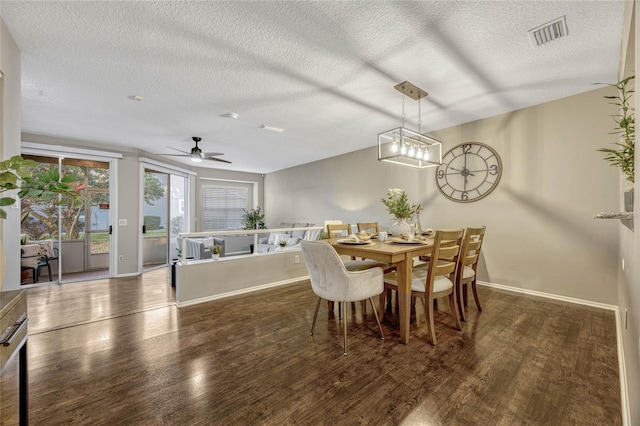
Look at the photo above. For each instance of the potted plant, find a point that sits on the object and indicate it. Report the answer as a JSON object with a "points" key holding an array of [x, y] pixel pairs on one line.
{"points": [[252, 219], [624, 155], [398, 205], [283, 243], [215, 252]]}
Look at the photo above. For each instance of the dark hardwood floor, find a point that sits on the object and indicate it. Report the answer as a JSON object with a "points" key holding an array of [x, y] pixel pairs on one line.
{"points": [[121, 352]]}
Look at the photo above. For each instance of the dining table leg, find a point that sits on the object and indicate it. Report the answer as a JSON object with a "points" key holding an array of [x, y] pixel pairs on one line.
{"points": [[403, 271]]}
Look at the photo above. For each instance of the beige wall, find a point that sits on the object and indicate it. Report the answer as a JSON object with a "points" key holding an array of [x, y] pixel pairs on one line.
{"points": [[540, 231], [10, 229]]}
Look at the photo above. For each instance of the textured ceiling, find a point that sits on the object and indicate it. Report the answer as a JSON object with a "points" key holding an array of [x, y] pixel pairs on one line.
{"points": [[324, 71]]}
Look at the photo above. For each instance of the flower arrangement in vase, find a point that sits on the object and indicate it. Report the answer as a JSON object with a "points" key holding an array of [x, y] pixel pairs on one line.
{"points": [[398, 205]]}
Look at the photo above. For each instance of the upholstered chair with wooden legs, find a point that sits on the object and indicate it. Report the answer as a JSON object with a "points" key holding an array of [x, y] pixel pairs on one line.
{"points": [[467, 267], [437, 280], [344, 229], [331, 281]]}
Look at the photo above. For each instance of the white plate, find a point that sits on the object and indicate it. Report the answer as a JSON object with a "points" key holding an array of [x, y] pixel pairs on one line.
{"points": [[355, 243]]}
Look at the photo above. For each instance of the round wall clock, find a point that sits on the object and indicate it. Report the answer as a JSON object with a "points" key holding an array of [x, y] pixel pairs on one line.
{"points": [[469, 172]]}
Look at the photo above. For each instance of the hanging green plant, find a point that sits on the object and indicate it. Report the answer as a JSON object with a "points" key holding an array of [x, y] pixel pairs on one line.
{"points": [[623, 156]]}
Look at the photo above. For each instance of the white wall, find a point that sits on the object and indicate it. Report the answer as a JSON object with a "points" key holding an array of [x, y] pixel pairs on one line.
{"points": [[540, 231], [10, 229]]}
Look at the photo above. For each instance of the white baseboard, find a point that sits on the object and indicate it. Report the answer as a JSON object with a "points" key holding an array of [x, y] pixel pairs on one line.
{"points": [[242, 291], [624, 395], [551, 296]]}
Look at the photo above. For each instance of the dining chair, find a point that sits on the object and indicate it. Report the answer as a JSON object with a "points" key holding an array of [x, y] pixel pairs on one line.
{"points": [[338, 230], [331, 281], [467, 268], [436, 281], [371, 227]]}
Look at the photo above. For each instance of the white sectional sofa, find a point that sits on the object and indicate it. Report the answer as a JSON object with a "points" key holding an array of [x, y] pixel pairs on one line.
{"points": [[271, 243]]}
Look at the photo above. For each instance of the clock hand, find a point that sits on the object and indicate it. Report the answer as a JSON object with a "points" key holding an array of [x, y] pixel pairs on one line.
{"points": [[462, 171]]}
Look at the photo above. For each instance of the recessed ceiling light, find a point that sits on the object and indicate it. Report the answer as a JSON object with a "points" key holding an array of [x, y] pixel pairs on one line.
{"points": [[233, 115], [272, 129], [135, 97]]}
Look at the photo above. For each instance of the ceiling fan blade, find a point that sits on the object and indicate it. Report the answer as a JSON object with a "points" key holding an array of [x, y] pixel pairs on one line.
{"points": [[212, 154], [179, 150], [219, 159], [177, 155]]}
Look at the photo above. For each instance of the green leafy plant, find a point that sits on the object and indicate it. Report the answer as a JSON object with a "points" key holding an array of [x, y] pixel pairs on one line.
{"points": [[252, 219], [216, 249], [398, 205], [623, 156], [283, 243], [15, 175]]}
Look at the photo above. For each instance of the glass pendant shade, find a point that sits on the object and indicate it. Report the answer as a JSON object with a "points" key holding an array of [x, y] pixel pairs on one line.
{"points": [[415, 150]]}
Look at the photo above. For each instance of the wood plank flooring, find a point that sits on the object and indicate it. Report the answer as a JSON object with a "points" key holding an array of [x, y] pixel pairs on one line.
{"points": [[120, 352]]}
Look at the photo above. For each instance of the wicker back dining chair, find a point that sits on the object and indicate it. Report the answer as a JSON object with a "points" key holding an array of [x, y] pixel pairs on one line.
{"points": [[331, 281], [467, 268], [436, 280]]}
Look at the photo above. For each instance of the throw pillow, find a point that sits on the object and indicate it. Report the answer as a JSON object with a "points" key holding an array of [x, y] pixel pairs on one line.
{"points": [[292, 241], [299, 234]]}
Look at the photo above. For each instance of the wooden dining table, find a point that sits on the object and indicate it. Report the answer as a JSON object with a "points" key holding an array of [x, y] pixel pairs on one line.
{"points": [[398, 255]]}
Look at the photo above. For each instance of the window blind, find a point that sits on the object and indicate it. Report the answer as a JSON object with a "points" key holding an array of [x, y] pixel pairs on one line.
{"points": [[223, 207]]}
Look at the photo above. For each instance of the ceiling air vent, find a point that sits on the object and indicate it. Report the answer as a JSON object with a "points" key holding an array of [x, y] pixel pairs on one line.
{"points": [[550, 31]]}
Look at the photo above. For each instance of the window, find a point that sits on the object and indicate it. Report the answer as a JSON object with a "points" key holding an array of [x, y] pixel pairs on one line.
{"points": [[223, 207]]}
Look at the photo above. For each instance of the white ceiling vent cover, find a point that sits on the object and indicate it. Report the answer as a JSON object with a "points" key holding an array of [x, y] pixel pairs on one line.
{"points": [[550, 31]]}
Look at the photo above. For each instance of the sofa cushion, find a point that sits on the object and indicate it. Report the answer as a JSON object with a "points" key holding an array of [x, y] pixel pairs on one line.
{"points": [[299, 234], [276, 237], [292, 241], [312, 235]]}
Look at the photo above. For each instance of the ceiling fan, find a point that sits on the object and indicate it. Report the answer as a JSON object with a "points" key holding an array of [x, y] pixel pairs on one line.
{"points": [[197, 155]]}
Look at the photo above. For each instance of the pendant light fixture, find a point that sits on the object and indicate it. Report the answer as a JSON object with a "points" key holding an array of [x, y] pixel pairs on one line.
{"points": [[406, 147]]}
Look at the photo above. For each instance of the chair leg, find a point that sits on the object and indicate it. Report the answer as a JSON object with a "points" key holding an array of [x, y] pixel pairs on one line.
{"points": [[474, 287], [459, 290], [381, 304], [315, 316], [377, 319], [453, 307], [465, 289], [49, 269], [363, 304], [344, 322], [389, 303], [428, 311]]}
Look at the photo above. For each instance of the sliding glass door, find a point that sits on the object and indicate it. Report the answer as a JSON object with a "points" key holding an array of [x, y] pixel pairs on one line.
{"points": [[79, 236], [164, 216]]}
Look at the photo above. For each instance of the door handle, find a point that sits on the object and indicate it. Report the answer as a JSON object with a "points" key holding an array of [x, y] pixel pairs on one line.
{"points": [[144, 229], [110, 229]]}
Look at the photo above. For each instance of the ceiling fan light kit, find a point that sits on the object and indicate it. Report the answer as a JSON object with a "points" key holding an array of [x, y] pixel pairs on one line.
{"points": [[406, 147]]}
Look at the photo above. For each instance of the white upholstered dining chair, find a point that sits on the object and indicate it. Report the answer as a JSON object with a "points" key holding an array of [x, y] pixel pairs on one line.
{"points": [[435, 280], [330, 280]]}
